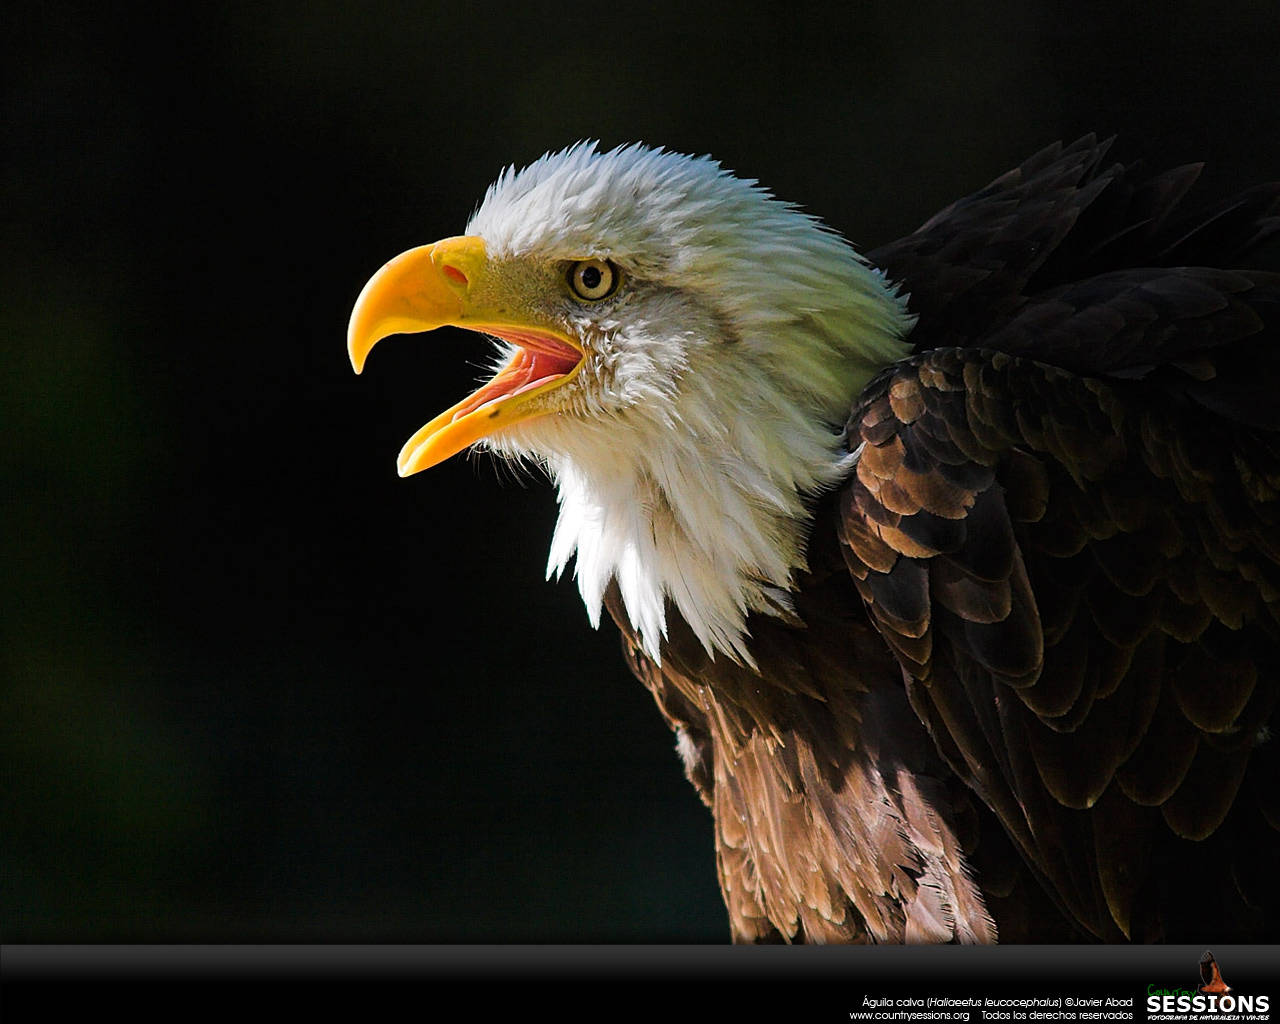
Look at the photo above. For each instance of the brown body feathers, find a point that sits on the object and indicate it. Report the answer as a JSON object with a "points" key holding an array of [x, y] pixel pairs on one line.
{"points": [[1032, 695]]}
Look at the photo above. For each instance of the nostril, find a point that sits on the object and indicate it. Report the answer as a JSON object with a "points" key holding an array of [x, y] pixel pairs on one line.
{"points": [[454, 274]]}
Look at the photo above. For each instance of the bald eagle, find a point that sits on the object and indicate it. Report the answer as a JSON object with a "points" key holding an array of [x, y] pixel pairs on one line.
{"points": [[954, 567]]}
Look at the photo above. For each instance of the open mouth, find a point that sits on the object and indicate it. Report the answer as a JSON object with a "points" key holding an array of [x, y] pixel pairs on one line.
{"points": [[435, 286], [542, 362]]}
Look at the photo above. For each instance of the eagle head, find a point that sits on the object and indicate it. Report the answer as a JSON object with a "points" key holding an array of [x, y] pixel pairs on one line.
{"points": [[676, 347]]}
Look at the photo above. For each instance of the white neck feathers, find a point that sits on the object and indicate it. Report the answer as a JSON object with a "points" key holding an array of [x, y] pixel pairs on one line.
{"points": [[709, 412], [704, 499]]}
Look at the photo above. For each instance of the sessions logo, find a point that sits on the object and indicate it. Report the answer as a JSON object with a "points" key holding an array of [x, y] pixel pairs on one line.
{"points": [[1212, 999]]}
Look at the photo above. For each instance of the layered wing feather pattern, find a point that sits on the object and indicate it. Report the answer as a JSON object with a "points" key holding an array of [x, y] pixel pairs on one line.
{"points": [[1066, 530]]}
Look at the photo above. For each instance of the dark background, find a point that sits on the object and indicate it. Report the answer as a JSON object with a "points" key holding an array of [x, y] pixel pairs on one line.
{"points": [[256, 687]]}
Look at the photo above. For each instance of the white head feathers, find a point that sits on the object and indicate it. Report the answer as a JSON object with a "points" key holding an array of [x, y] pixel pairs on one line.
{"points": [[710, 407]]}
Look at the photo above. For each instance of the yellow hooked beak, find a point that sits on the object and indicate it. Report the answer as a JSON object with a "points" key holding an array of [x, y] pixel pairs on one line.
{"points": [[436, 286]]}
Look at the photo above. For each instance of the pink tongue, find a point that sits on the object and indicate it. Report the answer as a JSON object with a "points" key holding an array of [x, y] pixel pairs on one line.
{"points": [[539, 366], [536, 383], [528, 370], [556, 352]]}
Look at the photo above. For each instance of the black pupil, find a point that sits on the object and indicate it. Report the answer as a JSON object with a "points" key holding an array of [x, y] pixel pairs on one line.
{"points": [[591, 278]]}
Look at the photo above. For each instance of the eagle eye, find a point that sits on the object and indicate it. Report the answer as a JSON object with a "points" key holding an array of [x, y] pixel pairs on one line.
{"points": [[593, 280]]}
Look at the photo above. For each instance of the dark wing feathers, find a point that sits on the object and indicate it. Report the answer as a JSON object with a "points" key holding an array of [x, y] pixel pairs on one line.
{"points": [[1064, 524], [1062, 217], [1065, 528]]}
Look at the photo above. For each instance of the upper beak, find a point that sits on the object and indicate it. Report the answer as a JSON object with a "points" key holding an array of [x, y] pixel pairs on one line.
{"points": [[434, 286], [419, 290]]}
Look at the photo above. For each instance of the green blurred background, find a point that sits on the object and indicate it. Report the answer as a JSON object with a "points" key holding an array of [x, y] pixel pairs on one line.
{"points": [[257, 688]]}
